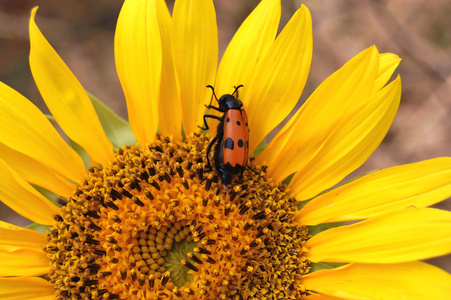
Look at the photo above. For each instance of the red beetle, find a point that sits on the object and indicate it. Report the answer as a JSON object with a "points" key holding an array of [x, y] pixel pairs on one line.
{"points": [[232, 136]]}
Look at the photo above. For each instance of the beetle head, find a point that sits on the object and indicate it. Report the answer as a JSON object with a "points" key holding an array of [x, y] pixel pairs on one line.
{"points": [[228, 101]]}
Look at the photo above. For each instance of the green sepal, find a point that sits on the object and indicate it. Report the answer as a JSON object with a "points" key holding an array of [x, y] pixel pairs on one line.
{"points": [[324, 265], [184, 134], [46, 193], [82, 152], [43, 229], [50, 118], [79, 149], [116, 129], [287, 180], [301, 204], [260, 148], [314, 230]]}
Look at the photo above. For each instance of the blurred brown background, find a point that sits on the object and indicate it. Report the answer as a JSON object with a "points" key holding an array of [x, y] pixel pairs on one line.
{"points": [[419, 31]]}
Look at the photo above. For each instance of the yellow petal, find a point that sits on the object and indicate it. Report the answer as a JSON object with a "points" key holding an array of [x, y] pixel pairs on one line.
{"points": [[137, 47], [299, 140], [388, 62], [23, 262], [66, 98], [36, 173], [25, 129], [194, 42], [14, 238], [26, 288], [279, 77], [419, 184], [407, 235], [169, 106], [249, 43], [413, 280], [335, 134], [23, 198]]}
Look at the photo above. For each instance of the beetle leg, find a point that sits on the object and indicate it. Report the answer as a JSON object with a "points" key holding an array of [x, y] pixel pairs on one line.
{"points": [[247, 165], [214, 107], [205, 121], [213, 141]]}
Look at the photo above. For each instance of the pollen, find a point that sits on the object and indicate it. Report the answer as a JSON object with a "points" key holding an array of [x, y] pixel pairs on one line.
{"points": [[158, 224]]}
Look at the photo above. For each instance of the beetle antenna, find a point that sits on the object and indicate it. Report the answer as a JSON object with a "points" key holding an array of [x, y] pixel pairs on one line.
{"points": [[236, 90], [213, 90]]}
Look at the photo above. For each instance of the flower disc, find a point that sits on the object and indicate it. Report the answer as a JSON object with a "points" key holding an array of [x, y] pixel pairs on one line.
{"points": [[157, 223]]}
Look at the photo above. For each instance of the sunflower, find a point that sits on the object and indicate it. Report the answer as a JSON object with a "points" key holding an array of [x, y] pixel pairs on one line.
{"points": [[133, 211]]}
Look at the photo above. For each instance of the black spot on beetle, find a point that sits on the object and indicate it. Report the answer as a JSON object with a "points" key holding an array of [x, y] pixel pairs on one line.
{"points": [[240, 143], [229, 144]]}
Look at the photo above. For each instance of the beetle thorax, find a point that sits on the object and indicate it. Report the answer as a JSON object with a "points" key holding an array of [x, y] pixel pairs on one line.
{"points": [[227, 102]]}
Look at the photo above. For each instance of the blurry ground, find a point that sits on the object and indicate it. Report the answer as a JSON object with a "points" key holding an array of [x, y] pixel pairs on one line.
{"points": [[418, 30]]}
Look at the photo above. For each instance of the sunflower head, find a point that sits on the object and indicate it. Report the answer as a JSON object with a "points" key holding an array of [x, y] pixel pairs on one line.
{"points": [[137, 211]]}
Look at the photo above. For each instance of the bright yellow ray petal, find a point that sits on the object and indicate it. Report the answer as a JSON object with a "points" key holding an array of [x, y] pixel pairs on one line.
{"points": [[14, 238], [26, 288], [23, 198], [413, 280], [25, 129], [170, 110], [194, 42], [419, 184], [334, 102], [66, 98], [388, 62], [280, 76], [407, 235], [350, 145], [250, 42], [35, 172], [138, 55], [305, 128], [23, 262]]}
